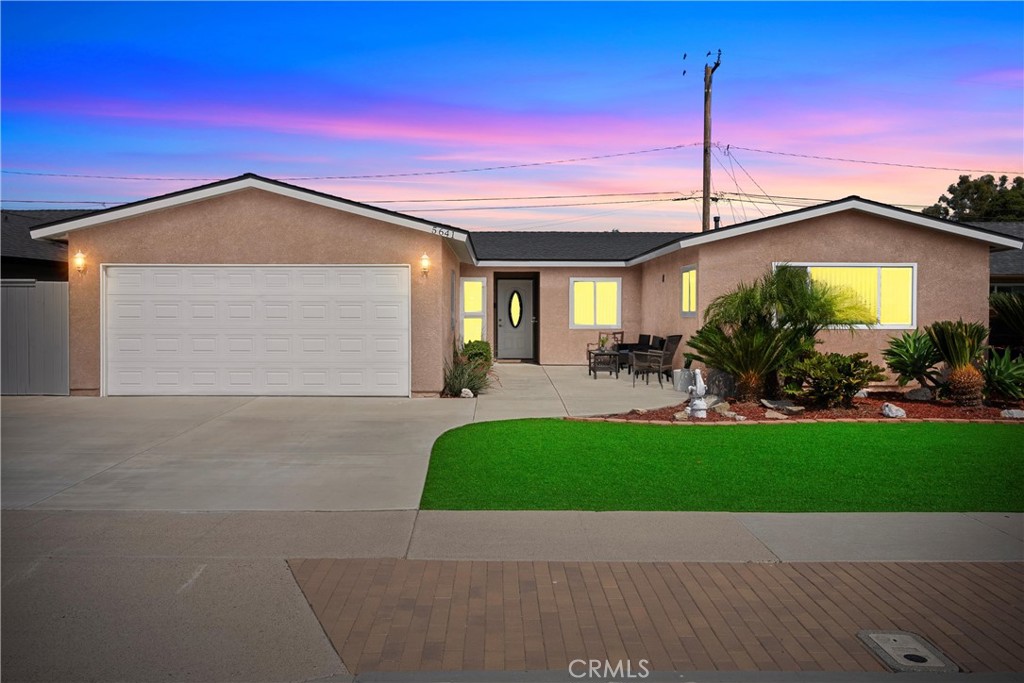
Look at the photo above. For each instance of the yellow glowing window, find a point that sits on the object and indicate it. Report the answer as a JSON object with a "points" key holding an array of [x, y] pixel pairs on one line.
{"points": [[886, 291], [472, 309], [472, 329], [595, 302], [688, 296], [472, 296]]}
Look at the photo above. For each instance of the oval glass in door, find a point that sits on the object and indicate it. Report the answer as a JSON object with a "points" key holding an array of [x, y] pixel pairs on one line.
{"points": [[515, 308]]}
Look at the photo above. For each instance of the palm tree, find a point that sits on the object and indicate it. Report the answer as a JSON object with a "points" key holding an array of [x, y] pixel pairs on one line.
{"points": [[759, 329]]}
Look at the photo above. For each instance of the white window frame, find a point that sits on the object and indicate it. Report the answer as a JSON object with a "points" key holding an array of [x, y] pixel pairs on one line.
{"points": [[618, 303], [483, 308], [696, 302], [878, 304]]}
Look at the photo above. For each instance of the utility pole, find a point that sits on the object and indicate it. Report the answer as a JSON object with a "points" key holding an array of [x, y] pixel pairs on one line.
{"points": [[709, 71]]}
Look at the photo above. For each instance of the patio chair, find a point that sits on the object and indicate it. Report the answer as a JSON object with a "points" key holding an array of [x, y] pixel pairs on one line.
{"points": [[626, 351], [613, 339], [659, 361]]}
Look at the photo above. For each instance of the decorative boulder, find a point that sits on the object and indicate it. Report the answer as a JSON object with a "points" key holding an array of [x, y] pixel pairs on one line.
{"points": [[1012, 414], [775, 415], [793, 410], [919, 394], [720, 383], [895, 412], [777, 405], [721, 407], [863, 393], [738, 418], [466, 393]]}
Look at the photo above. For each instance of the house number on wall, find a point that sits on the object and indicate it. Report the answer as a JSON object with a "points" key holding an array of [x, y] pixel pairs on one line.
{"points": [[443, 232]]}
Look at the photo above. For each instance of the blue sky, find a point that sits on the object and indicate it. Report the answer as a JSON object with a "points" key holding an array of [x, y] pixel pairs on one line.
{"points": [[211, 90]]}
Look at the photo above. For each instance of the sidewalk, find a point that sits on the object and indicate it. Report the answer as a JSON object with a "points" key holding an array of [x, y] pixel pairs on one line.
{"points": [[118, 595]]}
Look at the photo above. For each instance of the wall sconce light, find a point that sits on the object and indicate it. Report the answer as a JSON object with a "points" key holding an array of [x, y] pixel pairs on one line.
{"points": [[424, 264], [78, 261]]}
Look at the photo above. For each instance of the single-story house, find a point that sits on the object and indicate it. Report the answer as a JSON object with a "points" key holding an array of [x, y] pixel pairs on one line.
{"points": [[254, 286]]}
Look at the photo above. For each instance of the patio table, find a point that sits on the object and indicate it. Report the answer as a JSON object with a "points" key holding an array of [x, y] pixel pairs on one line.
{"points": [[602, 359]]}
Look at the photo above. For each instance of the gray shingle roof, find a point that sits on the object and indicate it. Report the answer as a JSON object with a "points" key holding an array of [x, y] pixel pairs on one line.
{"points": [[568, 246], [1009, 263], [16, 242]]}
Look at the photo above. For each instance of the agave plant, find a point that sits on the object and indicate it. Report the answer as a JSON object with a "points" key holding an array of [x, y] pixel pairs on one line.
{"points": [[749, 354], [961, 345], [1004, 376], [912, 356]]}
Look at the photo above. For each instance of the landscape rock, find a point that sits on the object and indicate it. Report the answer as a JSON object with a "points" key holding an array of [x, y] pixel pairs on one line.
{"points": [[863, 393], [466, 393], [720, 383], [640, 411], [713, 400], [919, 394], [777, 405], [775, 415], [722, 407], [793, 410], [738, 418], [889, 410], [683, 415], [1012, 414]]}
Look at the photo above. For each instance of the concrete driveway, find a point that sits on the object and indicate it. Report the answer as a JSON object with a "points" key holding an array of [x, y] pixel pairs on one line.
{"points": [[239, 453]]}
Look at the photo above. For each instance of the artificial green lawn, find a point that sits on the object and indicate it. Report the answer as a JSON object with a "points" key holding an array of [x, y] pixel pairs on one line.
{"points": [[824, 467]]}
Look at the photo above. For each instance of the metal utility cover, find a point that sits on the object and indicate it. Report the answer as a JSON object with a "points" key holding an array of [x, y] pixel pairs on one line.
{"points": [[905, 651]]}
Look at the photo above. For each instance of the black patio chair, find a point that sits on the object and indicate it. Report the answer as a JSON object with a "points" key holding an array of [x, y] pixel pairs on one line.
{"points": [[659, 361]]}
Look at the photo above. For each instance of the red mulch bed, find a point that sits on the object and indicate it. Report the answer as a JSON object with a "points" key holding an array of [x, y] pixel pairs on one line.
{"points": [[864, 408]]}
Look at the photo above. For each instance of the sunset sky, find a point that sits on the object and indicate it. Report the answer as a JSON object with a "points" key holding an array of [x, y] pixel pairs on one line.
{"points": [[292, 90]]}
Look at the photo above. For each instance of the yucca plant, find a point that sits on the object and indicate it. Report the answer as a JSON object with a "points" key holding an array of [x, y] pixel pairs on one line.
{"points": [[749, 354], [1004, 376], [961, 345], [912, 356]]}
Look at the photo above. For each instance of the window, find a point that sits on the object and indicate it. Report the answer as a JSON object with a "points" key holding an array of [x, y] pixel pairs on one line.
{"points": [[595, 302], [888, 290], [688, 295], [474, 316]]}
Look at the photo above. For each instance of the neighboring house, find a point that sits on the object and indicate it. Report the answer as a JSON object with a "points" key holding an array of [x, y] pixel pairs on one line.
{"points": [[1006, 267], [253, 286], [1006, 275], [24, 258]]}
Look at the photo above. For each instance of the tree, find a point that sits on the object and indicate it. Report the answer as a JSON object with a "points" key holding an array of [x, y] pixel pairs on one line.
{"points": [[981, 200]]}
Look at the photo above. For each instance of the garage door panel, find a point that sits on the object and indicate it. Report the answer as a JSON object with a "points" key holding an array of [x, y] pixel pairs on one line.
{"points": [[262, 330]]}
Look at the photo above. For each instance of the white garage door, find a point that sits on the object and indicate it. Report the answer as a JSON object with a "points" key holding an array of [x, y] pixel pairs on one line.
{"points": [[257, 330]]}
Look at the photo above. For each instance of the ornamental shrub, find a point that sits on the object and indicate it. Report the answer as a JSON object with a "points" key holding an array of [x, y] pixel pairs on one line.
{"points": [[833, 379], [479, 351]]}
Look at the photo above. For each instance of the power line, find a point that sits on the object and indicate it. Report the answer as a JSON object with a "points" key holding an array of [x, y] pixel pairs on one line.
{"points": [[375, 175], [863, 161], [553, 206]]}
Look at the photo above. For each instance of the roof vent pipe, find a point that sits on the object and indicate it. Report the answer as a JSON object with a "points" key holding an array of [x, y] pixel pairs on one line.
{"points": [[718, 222]]}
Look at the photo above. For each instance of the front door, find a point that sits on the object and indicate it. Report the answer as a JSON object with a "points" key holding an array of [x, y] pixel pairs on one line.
{"points": [[516, 320]]}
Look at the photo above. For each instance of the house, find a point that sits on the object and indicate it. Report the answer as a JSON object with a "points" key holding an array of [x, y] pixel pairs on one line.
{"points": [[24, 258], [254, 286]]}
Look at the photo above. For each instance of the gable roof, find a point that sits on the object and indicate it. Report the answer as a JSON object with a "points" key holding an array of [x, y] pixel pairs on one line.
{"points": [[568, 246], [59, 229], [1008, 263], [16, 238], [995, 240]]}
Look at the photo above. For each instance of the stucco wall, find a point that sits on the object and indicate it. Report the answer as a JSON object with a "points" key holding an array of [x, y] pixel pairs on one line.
{"points": [[560, 345], [660, 314], [952, 272], [257, 227]]}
